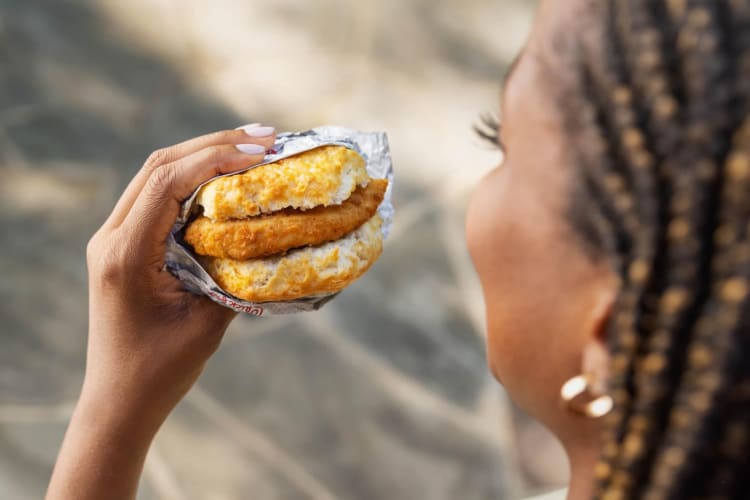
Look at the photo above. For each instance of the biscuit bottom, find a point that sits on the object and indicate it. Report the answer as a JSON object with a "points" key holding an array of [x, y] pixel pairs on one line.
{"points": [[301, 272]]}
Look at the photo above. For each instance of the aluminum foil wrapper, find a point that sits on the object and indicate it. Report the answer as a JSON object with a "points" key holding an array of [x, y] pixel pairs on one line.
{"points": [[180, 261]]}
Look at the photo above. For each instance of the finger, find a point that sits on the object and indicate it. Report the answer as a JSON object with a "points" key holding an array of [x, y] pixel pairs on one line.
{"points": [[247, 134], [215, 320], [157, 206], [218, 316]]}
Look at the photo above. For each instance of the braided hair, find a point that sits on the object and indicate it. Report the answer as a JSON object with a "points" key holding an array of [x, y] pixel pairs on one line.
{"points": [[659, 116]]}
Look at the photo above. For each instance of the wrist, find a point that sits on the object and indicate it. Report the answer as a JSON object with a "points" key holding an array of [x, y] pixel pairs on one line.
{"points": [[115, 412]]}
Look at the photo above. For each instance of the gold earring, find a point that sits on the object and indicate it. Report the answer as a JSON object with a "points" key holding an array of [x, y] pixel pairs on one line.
{"points": [[576, 387]]}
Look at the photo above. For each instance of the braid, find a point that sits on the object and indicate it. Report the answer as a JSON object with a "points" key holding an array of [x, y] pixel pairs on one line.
{"points": [[663, 187], [688, 445]]}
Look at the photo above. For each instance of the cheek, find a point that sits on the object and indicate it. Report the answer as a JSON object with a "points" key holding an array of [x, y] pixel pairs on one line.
{"points": [[494, 242], [486, 220], [507, 247]]}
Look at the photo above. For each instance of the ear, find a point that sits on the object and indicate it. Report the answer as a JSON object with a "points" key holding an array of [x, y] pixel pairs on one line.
{"points": [[595, 356]]}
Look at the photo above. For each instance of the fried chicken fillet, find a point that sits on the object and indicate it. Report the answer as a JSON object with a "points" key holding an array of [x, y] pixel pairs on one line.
{"points": [[278, 232]]}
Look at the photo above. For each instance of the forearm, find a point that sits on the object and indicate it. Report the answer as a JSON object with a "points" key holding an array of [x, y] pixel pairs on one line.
{"points": [[103, 452], [149, 338]]}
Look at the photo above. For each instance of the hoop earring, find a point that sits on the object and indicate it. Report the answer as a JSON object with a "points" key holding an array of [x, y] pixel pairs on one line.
{"points": [[576, 387]]}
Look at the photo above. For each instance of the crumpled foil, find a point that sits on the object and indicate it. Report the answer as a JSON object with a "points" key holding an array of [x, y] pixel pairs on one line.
{"points": [[180, 261]]}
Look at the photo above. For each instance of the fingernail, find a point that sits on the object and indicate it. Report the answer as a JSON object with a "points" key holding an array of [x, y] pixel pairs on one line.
{"points": [[251, 149], [260, 131], [248, 126]]}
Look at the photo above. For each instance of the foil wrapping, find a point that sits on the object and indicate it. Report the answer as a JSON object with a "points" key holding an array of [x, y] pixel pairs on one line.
{"points": [[180, 261]]}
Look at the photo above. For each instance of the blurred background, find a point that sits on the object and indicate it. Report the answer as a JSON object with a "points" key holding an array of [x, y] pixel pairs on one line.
{"points": [[384, 394]]}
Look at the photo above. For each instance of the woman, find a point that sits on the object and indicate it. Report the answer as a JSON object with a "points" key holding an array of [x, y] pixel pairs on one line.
{"points": [[612, 247]]}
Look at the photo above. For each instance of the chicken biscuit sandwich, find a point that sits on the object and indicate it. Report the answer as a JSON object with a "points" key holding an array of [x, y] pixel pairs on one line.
{"points": [[302, 226]]}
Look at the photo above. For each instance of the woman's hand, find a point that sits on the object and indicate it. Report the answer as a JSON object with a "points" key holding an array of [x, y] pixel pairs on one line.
{"points": [[148, 338]]}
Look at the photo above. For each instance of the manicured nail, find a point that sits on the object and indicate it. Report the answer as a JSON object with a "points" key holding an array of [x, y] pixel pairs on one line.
{"points": [[248, 126], [251, 149], [260, 131]]}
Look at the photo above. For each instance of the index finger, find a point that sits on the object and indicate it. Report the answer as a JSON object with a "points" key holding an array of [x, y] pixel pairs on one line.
{"points": [[157, 206], [158, 158]]}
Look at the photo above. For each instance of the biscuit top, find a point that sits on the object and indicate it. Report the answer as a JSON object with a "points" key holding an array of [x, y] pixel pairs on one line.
{"points": [[323, 176]]}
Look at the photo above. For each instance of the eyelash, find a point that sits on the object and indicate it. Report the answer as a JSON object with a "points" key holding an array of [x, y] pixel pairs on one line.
{"points": [[488, 130]]}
